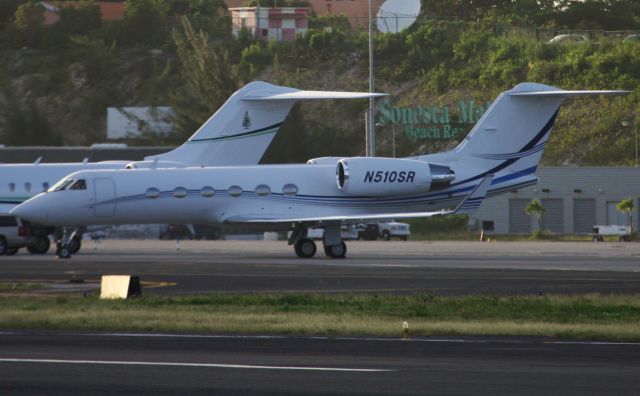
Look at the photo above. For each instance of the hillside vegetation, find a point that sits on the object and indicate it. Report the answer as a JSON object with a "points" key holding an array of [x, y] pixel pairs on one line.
{"points": [[56, 82]]}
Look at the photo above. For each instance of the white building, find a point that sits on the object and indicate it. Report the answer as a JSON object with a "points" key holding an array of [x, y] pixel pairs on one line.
{"points": [[279, 24]]}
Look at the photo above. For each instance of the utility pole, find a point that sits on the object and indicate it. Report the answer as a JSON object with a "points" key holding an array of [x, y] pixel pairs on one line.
{"points": [[371, 131]]}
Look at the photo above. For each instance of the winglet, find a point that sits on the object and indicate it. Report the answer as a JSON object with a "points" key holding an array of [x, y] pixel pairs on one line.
{"points": [[473, 201]]}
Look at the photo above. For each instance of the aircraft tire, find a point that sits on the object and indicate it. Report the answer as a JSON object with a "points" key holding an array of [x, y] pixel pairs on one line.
{"points": [[74, 245], [41, 246], [305, 248], [64, 252], [336, 251]]}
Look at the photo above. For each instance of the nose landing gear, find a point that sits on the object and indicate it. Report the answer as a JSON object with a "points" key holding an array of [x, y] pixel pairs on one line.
{"points": [[68, 244]]}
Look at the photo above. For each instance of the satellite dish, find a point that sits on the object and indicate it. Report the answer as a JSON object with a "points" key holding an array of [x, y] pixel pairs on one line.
{"points": [[395, 16]]}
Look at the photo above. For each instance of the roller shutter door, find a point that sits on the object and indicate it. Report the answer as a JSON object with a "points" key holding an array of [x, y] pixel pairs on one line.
{"points": [[553, 217], [519, 220], [584, 215]]}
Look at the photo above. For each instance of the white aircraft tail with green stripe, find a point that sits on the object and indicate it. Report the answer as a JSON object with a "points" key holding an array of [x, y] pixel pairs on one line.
{"points": [[242, 129]]}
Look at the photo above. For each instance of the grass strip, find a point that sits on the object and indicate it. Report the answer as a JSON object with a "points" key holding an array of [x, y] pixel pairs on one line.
{"points": [[579, 317]]}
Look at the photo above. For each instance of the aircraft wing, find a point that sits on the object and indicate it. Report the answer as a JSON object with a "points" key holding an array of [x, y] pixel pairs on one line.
{"points": [[468, 205], [306, 95]]}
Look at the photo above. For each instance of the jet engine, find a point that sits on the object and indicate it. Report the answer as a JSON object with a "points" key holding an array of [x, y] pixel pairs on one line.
{"points": [[382, 177]]}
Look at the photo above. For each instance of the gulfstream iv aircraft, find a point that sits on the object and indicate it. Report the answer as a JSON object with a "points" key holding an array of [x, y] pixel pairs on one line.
{"points": [[237, 134], [500, 154]]}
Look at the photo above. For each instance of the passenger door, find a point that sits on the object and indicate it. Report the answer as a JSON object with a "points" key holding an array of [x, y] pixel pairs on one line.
{"points": [[105, 194]]}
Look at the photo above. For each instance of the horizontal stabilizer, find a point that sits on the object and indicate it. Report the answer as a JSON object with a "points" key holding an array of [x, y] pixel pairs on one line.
{"points": [[468, 205], [308, 95], [568, 94]]}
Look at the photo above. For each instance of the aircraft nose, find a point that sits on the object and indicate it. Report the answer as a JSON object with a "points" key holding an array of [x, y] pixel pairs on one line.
{"points": [[31, 210]]}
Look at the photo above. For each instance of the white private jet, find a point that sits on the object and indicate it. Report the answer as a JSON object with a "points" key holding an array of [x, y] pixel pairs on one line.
{"points": [[503, 150], [238, 133]]}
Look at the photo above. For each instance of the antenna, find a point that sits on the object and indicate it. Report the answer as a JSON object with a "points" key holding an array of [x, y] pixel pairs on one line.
{"points": [[37, 161], [395, 16]]}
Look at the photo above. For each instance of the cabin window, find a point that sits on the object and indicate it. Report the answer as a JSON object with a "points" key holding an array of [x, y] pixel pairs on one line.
{"points": [[152, 192], [262, 190], [45, 186], [12, 187], [207, 191], [27, 186], [235, 191], [180, 192], [290, 189], [79, 185]]}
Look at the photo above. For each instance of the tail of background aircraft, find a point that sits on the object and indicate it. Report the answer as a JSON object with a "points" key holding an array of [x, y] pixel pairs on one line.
{"points": [[509, 139], [242, 129]]}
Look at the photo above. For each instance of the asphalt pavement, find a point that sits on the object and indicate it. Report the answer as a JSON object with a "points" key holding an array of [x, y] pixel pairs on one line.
{"points": [[443, 268], [57, 363]]}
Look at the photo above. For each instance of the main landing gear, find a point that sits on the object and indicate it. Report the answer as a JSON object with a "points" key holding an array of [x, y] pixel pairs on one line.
{"points": [[304, 247]]}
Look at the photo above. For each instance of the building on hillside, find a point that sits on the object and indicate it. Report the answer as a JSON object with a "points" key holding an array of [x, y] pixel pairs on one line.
{"points": [[575, 199], [279, 24], [109, 11], [132, 122], [357, 11]]}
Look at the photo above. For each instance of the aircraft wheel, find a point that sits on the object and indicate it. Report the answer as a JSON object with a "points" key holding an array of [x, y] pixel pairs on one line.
{"points": [[40, 246], [336, 251], [74, 244], [63, 252], [305, 248]]}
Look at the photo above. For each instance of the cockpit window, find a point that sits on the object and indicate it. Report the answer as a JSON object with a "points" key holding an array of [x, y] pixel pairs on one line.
{"points": [[79, 185], [61, 185]]}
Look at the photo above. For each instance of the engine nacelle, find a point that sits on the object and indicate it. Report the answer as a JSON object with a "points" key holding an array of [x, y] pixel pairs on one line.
{"points": [[382, 177]]}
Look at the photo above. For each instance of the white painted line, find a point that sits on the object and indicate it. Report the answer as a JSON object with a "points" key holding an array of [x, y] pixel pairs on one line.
{"points": [[177, 364]]}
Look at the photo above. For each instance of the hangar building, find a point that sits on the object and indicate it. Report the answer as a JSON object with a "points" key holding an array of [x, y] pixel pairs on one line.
{"points": [[575, 199]]}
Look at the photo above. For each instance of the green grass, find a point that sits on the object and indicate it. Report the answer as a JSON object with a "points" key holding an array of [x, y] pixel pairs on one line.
{"points": [[589, 316]]}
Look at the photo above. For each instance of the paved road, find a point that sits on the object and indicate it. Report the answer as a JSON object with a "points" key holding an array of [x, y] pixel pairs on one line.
{"points": [[84, 363], [396, 267]]}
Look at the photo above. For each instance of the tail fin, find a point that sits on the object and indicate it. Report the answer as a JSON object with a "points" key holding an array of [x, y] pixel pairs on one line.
{"points": [[509, 139], [242, 129]]}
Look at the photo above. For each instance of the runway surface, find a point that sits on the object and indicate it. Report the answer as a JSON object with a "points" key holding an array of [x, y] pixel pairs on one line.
{"points": [[447, 268], [70, 363]]}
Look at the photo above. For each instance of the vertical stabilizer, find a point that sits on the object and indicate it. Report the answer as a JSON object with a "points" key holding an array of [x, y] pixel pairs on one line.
{"points": [[509, 139], [240, 131]]}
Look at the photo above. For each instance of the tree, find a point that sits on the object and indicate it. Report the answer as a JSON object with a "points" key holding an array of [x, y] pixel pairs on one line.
{"points": [[146, 21], [626, 206], [24, 124], [29, 20], [535, 207], [209, 78], [81, 20]]}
